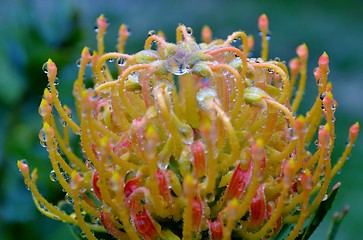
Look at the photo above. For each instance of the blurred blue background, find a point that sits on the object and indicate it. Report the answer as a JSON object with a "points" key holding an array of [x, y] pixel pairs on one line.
{"points": [[32, 31]]}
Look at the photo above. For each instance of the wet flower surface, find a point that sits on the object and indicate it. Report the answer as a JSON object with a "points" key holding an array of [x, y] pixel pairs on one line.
{"points": [[189, 140]]}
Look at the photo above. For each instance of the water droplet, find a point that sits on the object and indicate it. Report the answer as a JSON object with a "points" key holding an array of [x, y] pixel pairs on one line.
{"points": [[24, 161], [224, 72], [45, 67], [325, 197], [56, 81], [209, 197], [204, 94], [177, 64], [103, 68], [270, 70], [42, 138], [65, 176], [53, 176], [322, 95], [189, 30], [42, 112], [268, 36], [96, 29], [121, 61], [151, 32], [68, 199], [78, 63], [111, 60], [94, 220]]}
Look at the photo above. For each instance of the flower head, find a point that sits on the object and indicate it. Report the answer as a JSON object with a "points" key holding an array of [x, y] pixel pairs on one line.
{"points": [[189, 140]]}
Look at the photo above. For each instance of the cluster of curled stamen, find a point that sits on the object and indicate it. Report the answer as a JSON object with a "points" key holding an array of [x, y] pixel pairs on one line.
{"points": [[189, 140]]}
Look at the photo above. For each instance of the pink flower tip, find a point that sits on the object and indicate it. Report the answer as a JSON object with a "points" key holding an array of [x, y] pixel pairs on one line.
{"points": [[102, 23], [299, 123], [294, 66], [323, 61], [302, 51], [263, 23], [123, 31], [52, 68]]}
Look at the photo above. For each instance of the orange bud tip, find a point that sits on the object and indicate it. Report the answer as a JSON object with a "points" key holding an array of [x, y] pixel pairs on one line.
{"points": [[263, 23], [123, 31], [250, 42], [206, 34], [23, 166], [85, 53], [299, 123], [353, 131], [52, 68]]}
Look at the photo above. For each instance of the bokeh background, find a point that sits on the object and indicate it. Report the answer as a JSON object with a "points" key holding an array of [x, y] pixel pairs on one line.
{"points": [[31, 31]]}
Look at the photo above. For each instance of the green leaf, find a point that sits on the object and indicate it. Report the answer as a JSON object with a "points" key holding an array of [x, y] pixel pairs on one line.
{"points": [[323, 209]]}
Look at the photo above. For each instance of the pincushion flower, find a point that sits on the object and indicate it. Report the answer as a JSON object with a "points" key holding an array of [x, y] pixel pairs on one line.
{"points": [[189, 140]]}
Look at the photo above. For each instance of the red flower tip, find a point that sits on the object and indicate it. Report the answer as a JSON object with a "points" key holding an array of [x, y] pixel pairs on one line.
{"points": [[197, 212], [353, 132], [163, 184], [258, 208], [106, 221], [324, 61], [215, 229], [142, 221], [263, 23], [239, 181], [302, 51], [199, 158], [96, 189], [131, 186]]}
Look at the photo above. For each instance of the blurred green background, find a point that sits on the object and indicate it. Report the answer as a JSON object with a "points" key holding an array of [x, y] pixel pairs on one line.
{"points": [[32, 31]]}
